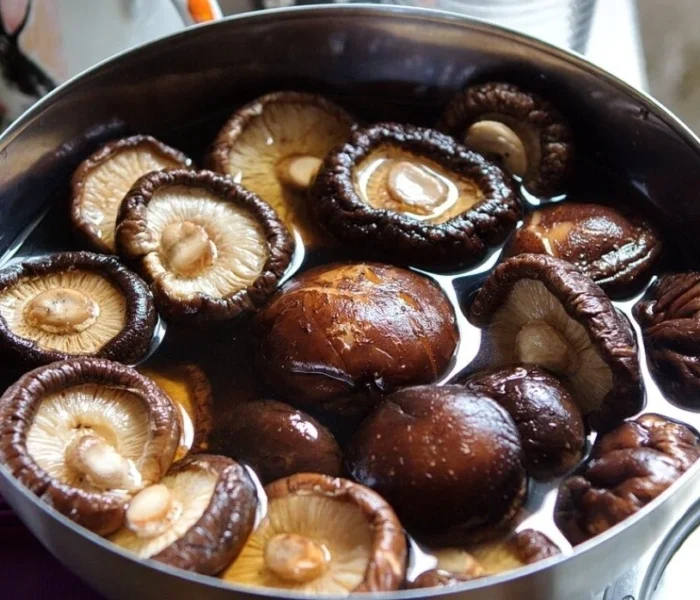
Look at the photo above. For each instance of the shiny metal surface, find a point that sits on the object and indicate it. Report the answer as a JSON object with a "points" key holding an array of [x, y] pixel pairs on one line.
{"points": [[415, 60]]}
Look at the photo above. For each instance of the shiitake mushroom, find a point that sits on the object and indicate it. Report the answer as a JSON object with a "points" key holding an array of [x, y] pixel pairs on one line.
{"points": [[541, 310], [414, 195], [449, 461], [339, 336], [74, 304]]}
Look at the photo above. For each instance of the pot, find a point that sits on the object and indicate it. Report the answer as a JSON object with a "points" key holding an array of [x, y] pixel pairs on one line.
{"points": [[407, 59]]}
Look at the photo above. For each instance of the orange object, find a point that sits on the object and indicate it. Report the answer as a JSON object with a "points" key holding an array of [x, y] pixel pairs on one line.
{"points": [[200, 10]]}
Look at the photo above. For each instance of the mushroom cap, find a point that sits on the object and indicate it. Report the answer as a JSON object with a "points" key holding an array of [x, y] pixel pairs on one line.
{"points": [[274, 144], [102, 180], [538, 308], [615, 251], [548, 419], [630, 466], [50, 408], [216, 503], [669, 315], [277, 440], [189, 388], [445, 172], [74, 304], [338, 336], [545, 135], [209, 248], [363, 540], [441, 578], [448, 460]]}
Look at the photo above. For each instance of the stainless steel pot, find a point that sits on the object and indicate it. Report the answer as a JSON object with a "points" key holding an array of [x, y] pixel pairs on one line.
{"points": [[407, 59]]}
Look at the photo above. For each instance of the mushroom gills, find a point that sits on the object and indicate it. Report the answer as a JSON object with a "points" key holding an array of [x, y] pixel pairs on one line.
{"points": [[307, 543], [393, 179], [72, 311], [533, 327]]}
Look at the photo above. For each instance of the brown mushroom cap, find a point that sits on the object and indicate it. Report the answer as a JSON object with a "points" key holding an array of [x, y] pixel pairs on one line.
{"points": [[669, 315], [614, 251], [198, 517], [74, 304], [274, 146], [524, 131], [323, 535], [448, 460], [209, 248], [339, 335], [102, 180], [443, 578], [630, 467], [548, 419], [86, 433], [415, 195], [542, 310], [189, 388], [277, 440]]}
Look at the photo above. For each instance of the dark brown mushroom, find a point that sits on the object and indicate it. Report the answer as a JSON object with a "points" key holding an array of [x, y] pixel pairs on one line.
{"points": [[543, 311], [414, 195], [443, 578], [669, 315], [548, 419], [86, 434], [615, 251], [198, 517], [449, 461], [74, 304], [102, 180], [340, 335], [526, 133], [274, 147], [323, 535], [277, 440], [209, 248], [630, 467]]}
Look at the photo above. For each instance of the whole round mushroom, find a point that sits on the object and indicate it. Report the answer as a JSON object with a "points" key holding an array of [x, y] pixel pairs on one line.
{"points": [[74, 304], [209, 248], [614, 250], [340, 336], [540, 310], [548, 419], [198, 517], [448, 460], [86, 434], [323, 535], [277, 440], [414, 195], [528, 136]]}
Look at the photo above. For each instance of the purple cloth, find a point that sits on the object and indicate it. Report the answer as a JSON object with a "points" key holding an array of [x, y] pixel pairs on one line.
{"points": [[27, 570]]}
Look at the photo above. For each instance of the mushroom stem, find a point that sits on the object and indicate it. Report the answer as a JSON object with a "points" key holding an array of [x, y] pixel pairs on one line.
{"points": [[297, 172], [152, 511], [188, 248], [539, 343], [62, 311], [415, 186], [297, 558], [493, 138], [101, 464]]}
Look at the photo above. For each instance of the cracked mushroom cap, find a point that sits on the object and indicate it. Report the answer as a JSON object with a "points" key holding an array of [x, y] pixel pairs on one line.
{"points": [[85, 434], [414, 194], [669, 315], [340, 336], [209, 248], [102, 180], [449, 461], [274, 147], [198, 517], [74, 304], [615, 251], [277, 440], [189, 389], [548, 419], [521, 130], [540, 310], [325, 536], [630, 467]]}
